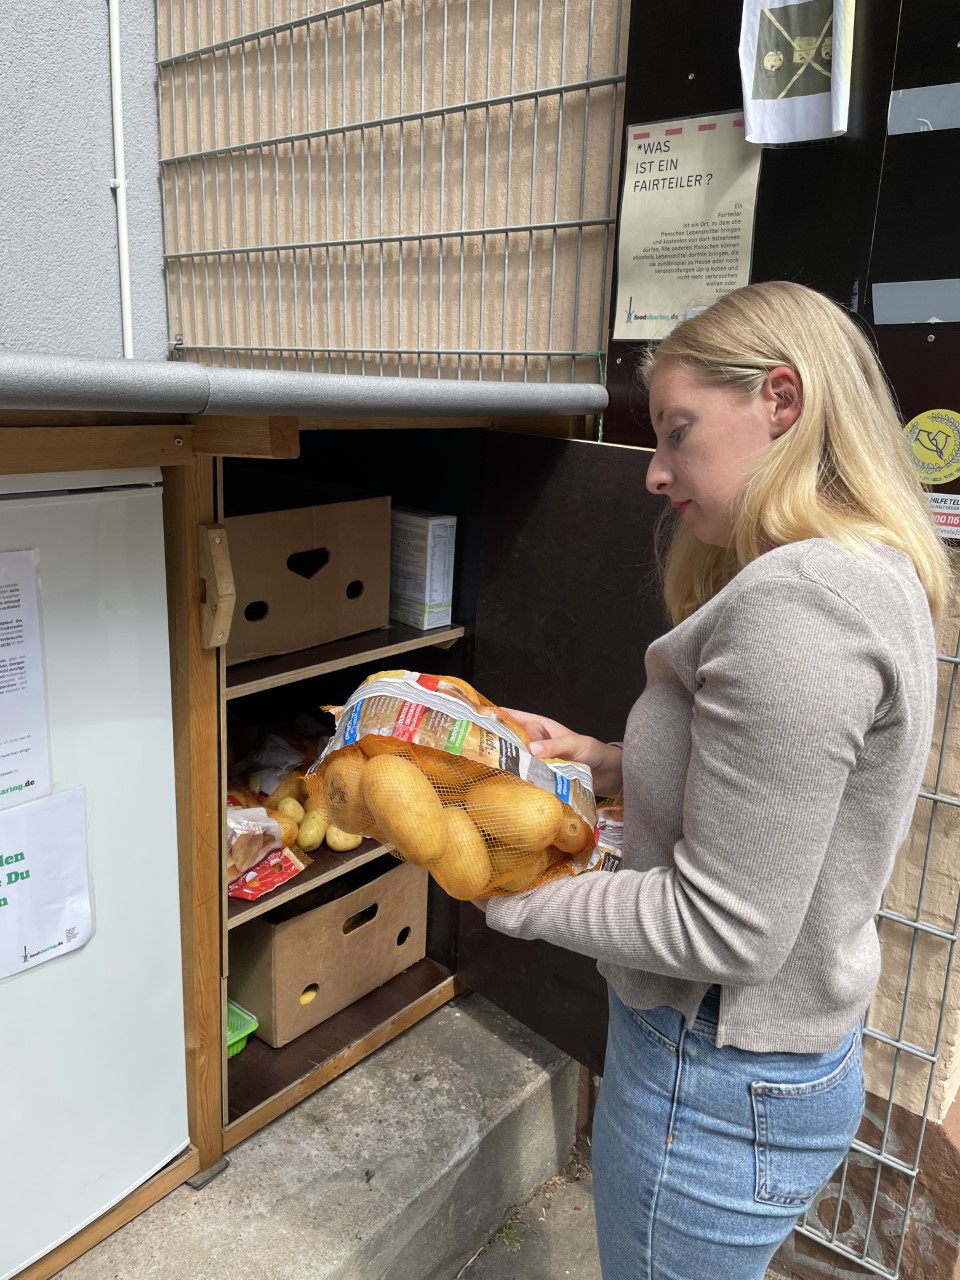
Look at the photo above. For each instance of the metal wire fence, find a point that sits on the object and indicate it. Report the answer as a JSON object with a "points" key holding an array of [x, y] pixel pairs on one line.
{"points": [[416, 187], [864, 1213]]}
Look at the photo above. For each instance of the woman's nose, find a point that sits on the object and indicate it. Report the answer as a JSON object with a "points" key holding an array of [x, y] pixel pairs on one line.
{"points": [[658, 476]]}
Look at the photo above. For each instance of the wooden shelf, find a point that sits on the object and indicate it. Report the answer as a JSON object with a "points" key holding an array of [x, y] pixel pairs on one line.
{"points": [[262, 1082], [326, 865], [352, 651]]}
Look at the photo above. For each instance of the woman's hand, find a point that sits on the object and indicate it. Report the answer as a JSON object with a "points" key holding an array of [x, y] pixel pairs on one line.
{"points": [[551, 739]]}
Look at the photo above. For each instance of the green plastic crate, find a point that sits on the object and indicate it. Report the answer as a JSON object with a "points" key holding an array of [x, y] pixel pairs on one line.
{"points": [[240, 1025]]}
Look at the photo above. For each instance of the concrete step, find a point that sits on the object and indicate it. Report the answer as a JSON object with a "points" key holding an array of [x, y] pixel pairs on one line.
{"points": [[550, 1237], [401, 1168]]}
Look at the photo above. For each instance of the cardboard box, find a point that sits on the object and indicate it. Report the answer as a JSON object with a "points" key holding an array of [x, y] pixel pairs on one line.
{"points": [[330, 955], [308, 575], [421, 567]]}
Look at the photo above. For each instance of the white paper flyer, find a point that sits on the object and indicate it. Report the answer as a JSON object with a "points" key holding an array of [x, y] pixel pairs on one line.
{"points": [[44, 886], [24, 747], [686, 220], [795, 62]]}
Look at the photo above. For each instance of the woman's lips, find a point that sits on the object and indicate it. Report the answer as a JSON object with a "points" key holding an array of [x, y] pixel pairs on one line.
{"points": [[680, 507]]}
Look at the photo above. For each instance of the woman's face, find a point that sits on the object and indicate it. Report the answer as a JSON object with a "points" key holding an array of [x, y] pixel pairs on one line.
{"points": [[708, 438]]}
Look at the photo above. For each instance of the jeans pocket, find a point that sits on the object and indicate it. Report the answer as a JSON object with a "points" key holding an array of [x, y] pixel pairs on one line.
{"points": [[662, 1026], [804, 1129]]}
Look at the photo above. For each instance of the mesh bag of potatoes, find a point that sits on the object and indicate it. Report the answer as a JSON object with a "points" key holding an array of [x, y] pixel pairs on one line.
{"points": [[444, 778]]}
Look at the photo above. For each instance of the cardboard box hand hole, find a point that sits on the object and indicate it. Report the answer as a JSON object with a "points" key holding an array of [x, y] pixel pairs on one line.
{"points": [[308, 563], [361, 918], [301, 963], [309, 575]]}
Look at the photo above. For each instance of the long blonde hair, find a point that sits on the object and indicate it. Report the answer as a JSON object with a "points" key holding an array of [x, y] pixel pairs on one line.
{"points": [[842, 471]]}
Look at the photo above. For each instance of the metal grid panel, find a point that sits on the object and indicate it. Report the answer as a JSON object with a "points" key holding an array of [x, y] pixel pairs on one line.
{"points": [[864, 1212], [392, 186]]}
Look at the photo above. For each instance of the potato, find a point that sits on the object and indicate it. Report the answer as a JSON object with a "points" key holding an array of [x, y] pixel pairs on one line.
{"points": [[463, 870], [342, 841], [291, 784], [312, 830], [523, 875], [405, 807], [450, 774], [514, 814], [292, 808], [573, 835], [288, 828], [343, 797]]}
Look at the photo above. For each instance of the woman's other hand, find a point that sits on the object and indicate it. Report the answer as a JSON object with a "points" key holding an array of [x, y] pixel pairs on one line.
{"points": [[549, 738]]}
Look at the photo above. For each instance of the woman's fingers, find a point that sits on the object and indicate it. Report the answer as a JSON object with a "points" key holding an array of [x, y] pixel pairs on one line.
{"points": [[537, 726]]}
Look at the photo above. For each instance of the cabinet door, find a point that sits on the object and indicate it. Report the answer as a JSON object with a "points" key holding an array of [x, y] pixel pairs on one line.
{"points": [[568, 602]]}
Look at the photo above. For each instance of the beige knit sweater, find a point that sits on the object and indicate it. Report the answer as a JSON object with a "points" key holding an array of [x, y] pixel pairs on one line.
{"points": [[770, 771]]}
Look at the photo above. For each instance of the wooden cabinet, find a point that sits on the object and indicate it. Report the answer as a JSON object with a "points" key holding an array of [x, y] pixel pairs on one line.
{"points": [[556, 599]]}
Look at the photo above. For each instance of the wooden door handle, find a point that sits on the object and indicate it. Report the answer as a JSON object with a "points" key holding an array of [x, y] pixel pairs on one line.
{"points": [[218, 594]]}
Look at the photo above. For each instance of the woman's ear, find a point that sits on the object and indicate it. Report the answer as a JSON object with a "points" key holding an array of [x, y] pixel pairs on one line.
{"points": [[783, 396]]}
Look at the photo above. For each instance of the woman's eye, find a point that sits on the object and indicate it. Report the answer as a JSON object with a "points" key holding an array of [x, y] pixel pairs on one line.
{"points": [[677, 434]]}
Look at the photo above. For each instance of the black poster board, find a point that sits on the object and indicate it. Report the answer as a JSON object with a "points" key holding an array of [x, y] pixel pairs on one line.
{"points": [[816, 202]]}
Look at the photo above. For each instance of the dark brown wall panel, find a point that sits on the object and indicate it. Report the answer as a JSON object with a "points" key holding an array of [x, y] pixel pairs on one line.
{"points": [[816, 201], [568, 603]]}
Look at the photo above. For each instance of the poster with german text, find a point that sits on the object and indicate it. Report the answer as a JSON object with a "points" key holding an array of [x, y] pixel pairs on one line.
{"points": [[45, 907], [686, 220], [24, 746]]}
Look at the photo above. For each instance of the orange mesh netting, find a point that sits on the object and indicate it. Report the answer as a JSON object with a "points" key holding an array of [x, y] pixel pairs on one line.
{"points": [[444, 778]]}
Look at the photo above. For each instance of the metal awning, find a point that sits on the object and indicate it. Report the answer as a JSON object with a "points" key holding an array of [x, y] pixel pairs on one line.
{"points": [[51, 382]]}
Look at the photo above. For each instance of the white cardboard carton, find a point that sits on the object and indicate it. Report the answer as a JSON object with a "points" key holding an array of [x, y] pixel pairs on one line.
{"points": [[421, 567]]}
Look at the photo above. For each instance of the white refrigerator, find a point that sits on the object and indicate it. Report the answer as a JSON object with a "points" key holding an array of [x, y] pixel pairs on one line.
{"points": [[92, 1071]]}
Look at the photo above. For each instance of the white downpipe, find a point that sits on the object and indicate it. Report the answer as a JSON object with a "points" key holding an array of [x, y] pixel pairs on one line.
{"points": [[119, 183]]}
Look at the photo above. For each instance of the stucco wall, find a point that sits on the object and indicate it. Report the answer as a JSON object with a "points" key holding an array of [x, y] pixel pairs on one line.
{"points": [[58, 256]]}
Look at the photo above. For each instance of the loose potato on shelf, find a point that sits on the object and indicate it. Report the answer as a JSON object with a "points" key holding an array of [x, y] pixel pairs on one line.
{"points": [[514, 814], [341, 841], [312, 830], [290, 785], [342, 791], [463, 869], [292, 808], [405, 808]]}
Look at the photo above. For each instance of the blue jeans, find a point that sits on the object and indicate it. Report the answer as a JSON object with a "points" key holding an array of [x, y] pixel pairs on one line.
{"points": [[703, 1158]]}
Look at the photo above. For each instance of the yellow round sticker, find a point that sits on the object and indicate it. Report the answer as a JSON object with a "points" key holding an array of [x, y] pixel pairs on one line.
{"points": [[935, 440]]}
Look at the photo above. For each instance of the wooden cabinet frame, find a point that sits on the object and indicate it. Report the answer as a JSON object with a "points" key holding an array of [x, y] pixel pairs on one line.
{"points": [[538, 485]]}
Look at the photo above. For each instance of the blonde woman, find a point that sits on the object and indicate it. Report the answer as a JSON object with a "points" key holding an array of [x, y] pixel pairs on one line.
{"points": [[769, 772]]}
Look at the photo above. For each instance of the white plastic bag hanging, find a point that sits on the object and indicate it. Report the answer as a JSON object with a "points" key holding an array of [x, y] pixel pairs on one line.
{"points": [[795, 64]]}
